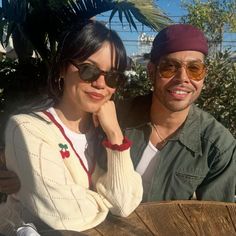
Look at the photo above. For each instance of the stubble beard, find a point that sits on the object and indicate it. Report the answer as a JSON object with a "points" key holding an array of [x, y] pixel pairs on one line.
{"points": [[174, 106]]}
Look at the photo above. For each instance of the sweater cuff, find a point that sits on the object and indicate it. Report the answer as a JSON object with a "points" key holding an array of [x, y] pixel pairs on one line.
{"points": [[115, 147]]}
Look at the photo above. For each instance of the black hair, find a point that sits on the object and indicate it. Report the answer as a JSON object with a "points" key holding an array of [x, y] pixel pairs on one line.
{"points": [[79, 43]]}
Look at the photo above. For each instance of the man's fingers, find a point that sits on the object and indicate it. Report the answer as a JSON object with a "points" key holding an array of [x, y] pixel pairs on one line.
{"points": [[9, 186], [7, 174], [10, 190], [9, 183]]}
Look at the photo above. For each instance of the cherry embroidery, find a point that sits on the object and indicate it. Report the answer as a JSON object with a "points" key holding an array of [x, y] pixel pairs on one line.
{"points": [[64, 152]]}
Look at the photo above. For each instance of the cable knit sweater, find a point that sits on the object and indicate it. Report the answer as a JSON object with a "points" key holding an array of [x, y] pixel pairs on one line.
{"points": [[56, 187]]}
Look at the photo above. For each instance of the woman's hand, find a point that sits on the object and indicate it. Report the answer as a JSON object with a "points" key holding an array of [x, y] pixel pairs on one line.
{"points": [[106, 117]]}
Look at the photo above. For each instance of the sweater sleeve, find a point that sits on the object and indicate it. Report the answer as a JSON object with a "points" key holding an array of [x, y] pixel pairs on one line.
{"points": [[45, 190], [121, 185]]}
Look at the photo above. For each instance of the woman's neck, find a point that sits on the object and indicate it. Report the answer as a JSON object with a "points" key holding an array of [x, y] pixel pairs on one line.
{"points": [[75, 120]]}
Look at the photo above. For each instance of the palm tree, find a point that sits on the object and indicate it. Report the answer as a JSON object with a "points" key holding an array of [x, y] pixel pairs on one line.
{"points": [[36, 24]]}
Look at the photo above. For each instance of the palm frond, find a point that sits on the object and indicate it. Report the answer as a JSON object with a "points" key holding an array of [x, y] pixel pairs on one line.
{"points": [[145, 12], [41, 21]]}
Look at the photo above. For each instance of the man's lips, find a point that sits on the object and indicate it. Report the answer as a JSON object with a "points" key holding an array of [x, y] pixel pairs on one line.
{"points": [[179, 92], [95, 96]]}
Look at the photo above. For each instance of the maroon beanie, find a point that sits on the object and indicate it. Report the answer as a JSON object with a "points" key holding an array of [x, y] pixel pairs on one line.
{"points": [[179, 37]]}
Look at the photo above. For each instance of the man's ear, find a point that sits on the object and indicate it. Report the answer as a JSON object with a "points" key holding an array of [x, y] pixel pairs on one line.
{"points": [[151, 70]]}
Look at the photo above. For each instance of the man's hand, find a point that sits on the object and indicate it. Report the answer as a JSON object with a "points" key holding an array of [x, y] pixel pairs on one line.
{"points": [[9, 182]]}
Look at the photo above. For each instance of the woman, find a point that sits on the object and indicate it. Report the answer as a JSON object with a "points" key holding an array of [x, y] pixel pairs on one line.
{"points": [[51, 150]]}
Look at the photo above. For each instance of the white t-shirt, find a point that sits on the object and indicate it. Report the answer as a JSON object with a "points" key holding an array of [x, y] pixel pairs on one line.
{"points": [[147, 166], [79, 141]]}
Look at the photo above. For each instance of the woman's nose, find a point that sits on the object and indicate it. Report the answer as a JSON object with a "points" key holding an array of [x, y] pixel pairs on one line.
{"points": [[100, 82]]}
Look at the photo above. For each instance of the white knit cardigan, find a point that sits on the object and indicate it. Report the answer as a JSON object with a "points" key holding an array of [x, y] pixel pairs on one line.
{"points": [[55, 185]]}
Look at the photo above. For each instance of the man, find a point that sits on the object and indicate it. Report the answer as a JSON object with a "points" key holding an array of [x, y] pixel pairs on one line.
{"points": [[179, 150]]}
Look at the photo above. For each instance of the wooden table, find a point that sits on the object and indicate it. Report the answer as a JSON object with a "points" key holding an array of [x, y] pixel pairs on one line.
{"points": [[178, 218]]}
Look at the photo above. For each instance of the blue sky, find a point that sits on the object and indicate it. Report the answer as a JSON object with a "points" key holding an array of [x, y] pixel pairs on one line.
{"points": [[171, 7]]}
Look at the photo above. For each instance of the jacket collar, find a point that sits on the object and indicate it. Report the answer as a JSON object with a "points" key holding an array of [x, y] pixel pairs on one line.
{"points": [[139, 114], [190, 133]]}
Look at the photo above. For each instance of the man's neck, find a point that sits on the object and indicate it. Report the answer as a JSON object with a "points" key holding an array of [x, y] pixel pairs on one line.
{"points": [[165, 123], [167, 119]]}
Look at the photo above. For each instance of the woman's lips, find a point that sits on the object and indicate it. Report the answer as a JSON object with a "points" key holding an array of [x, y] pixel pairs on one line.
{"points": [[95, 96]]}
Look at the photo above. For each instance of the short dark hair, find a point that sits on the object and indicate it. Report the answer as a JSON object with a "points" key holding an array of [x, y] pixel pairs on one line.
{"points": [[79, 43]]}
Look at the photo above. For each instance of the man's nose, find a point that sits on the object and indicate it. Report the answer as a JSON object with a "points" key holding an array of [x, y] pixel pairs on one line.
{"points": [[182, 74]]}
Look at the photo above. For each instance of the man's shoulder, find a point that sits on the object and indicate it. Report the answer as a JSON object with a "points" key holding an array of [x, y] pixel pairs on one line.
{"points": [[208, 121], [211, 129], [134, 111]]}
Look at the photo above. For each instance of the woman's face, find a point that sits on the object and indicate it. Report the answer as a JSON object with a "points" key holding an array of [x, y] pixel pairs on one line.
{"points": [[84, 96]]}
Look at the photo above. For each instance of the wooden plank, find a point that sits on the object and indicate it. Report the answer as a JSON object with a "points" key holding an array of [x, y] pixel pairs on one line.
{"points": [[61, 233], [165, 219], [129, 226], [178, 218], [91, 232], [209, 219], [232, 213]]}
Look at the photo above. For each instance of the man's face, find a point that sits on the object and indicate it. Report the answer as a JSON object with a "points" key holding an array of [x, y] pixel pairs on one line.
{"points": [[178, 92]]}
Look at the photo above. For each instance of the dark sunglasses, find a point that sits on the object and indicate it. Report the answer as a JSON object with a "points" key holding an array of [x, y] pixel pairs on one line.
{"points": [[89, 73], [196, 70]]}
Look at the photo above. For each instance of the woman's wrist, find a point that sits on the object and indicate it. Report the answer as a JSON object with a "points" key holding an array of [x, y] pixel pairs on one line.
{"points": [[126, 144], [115, 137]]}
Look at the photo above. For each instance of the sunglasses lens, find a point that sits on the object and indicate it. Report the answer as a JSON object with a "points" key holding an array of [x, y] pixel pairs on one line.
{"points": [[167, 68], [196, 70], [113, 79], [88, 72]]}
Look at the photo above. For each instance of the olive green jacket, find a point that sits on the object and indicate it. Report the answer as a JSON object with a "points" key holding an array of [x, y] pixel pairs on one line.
{"points": [[200, 158]]}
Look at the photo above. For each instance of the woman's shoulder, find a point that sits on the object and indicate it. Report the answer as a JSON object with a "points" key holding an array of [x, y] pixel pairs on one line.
{"points": [[35, 117], [35, 121]]}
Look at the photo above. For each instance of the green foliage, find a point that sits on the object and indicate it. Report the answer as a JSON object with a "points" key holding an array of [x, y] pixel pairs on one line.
{"points": [[19, 84], [137, 83], [218, 96], [146, 12], [212, 16], [37, 24], [219, 93]]}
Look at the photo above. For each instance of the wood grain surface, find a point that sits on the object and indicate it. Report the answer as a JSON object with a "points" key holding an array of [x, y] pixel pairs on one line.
{"points": [[178, 218]]}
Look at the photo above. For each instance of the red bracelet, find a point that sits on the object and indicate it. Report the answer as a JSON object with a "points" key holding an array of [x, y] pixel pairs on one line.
{"points": [[124, 146]]}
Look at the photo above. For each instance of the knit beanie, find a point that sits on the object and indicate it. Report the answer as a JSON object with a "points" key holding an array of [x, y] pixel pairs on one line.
{"points": [[178, 37]]}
